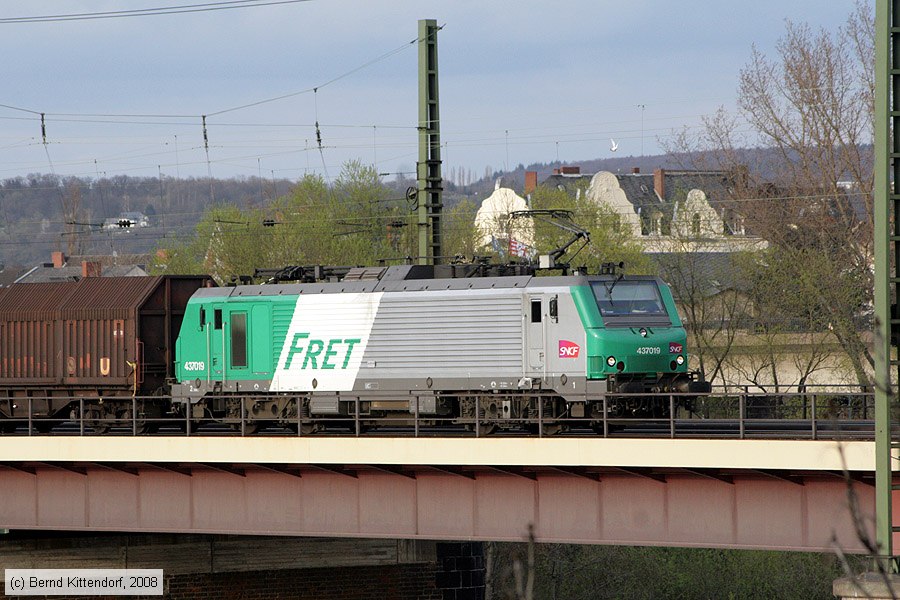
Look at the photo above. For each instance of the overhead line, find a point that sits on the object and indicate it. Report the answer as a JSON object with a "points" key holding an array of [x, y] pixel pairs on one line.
{"points": [[320, 86], [147, 12]]}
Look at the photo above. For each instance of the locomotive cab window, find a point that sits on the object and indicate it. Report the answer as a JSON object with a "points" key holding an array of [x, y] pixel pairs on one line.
{"points": [[239, 340], [630, 302], [217, 318], [202, 318]]}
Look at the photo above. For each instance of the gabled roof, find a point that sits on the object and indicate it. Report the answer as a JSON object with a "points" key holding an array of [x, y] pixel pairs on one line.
{"points": [[638, 188], [46, 273]]}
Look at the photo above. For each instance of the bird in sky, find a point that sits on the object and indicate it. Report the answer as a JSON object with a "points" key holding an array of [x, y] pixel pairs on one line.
{"points": [[613, 146]]}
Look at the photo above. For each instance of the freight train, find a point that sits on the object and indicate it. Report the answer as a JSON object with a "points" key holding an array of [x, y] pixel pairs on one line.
{"points": [[451, 344]]}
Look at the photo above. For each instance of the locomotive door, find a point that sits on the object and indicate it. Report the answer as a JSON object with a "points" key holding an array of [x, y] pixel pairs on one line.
{"points": [[535, 316], [215, 340]]}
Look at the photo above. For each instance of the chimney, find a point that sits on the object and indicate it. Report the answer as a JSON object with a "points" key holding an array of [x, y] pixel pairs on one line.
{"points": [[570, 170], [659, 183], [556, 171], [530, 181], [91, 268], [59, 259], [635, 170]]}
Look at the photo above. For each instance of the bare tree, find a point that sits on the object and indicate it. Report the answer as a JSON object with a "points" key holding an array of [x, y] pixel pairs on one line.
{"points": [[811, 194]]}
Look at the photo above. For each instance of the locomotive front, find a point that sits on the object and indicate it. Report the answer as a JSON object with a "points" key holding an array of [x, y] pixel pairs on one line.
{"points": [[636, 343]]}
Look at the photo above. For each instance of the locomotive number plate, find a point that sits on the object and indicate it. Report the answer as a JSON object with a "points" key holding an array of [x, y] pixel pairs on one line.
{"points": [[649, 350]]}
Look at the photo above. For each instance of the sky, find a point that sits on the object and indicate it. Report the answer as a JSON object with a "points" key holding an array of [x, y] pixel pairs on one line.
{"points": [[520, 82]]}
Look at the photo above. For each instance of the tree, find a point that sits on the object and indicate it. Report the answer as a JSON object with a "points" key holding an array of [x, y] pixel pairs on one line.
{"points": [[813, 106], [610, 241], [356, 221], [461, 236], [712, 304]]}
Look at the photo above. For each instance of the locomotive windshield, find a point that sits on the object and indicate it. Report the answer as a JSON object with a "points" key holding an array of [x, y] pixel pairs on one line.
{"points": [[635, 302]]}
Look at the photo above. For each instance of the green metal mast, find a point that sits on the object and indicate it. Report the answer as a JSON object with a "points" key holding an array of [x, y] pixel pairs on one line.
{"points": [[887, 236], [428, 169]]}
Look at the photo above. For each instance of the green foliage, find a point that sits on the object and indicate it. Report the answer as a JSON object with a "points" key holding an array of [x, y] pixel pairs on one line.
{"points": [[461, 236], [356, 221], [574, 572], [610, 240]]}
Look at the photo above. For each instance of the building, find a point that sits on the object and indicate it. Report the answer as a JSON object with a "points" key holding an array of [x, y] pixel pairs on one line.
{"points": [[498, 230], [63, 268], [127, 220], [668, 210]]}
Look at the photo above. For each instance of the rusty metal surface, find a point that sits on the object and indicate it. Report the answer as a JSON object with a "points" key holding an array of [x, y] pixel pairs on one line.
{"points": [[92, 332], [745, 510], [33, 301]]}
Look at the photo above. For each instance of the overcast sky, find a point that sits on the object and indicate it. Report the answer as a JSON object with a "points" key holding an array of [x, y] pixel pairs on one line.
{"points": [[520, 81]]}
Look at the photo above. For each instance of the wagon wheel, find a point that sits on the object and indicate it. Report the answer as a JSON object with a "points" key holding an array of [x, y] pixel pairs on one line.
{"points": [[42, 426], [93, 420]]}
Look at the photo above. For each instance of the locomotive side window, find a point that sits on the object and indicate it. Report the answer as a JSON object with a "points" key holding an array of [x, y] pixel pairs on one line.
{"points": [[217, 318], [535, 311], [238, 339]]}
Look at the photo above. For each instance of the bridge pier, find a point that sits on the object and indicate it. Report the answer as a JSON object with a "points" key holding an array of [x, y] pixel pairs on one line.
{"points": [[460, 570]]}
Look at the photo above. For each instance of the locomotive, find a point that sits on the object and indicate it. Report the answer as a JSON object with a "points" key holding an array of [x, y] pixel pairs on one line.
{"points": [[440, 342], [453, 344]]}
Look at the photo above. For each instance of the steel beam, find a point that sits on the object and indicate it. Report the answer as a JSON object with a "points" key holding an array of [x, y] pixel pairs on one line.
{"points": [[688, 509]]}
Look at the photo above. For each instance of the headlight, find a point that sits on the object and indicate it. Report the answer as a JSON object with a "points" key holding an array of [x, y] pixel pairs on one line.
{"points": [[611, 361], [679, 359]]}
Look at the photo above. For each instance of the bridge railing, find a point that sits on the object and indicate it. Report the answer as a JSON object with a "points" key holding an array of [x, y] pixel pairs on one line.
{"points": [[812, 412]]}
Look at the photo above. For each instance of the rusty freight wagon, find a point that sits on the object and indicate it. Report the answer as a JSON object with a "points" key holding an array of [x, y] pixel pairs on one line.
{"points": [[89, 345]]}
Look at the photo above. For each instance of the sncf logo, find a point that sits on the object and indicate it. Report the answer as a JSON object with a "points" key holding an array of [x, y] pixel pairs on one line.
{"points": [[675, 348], [568, 349]]}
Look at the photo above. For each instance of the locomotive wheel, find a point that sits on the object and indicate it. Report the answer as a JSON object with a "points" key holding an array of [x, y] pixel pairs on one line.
{"points": [[305, 428], [145, 427], [549, 428], [484, 429], [250, 427]]}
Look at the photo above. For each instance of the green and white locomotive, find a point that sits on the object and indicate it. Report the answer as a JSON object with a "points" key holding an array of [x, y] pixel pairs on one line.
{"points": [[434, 342]]}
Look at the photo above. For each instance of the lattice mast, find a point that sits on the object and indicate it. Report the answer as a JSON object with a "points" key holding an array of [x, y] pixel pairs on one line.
{"points": [[428, 169]]}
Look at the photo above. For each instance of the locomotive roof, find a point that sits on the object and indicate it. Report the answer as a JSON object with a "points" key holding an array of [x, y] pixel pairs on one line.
{"points": [[410, 285]]}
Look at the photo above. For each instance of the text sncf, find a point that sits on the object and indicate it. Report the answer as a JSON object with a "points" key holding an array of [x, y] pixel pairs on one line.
{"points": [[568, 349]]}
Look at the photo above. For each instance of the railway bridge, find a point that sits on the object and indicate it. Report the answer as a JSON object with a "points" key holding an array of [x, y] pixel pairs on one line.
{"points": [[729, 493]]}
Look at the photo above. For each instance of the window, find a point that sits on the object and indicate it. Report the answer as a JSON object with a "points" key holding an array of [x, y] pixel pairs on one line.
{"points": [[239, 340], [217, 318], [535, 311], [695, 224], [627, 302]]}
